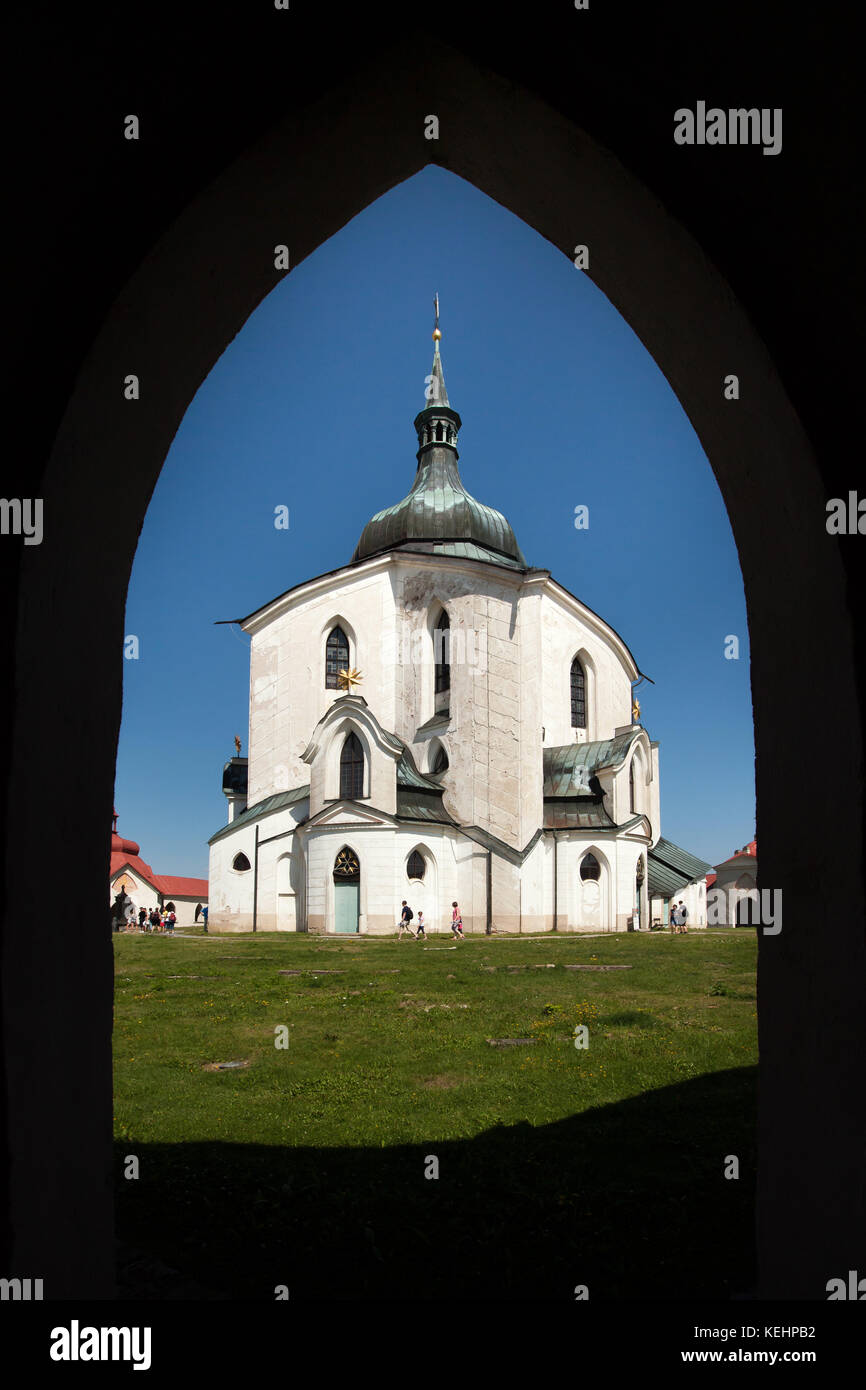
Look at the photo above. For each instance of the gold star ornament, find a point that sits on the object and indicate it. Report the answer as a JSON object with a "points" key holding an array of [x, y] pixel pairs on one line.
{"points": [[346, 679]]}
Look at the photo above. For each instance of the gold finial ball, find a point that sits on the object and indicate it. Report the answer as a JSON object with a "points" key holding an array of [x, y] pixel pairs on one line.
{"points": [[436, 335]]}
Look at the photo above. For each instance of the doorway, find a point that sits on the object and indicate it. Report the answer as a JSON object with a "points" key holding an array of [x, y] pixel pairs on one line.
{"points": [[347, 892]]}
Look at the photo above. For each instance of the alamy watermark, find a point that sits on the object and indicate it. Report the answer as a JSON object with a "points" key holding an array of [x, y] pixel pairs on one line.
{"points": [[736, 126], [457, 646], [746, 907], [22, 516]]}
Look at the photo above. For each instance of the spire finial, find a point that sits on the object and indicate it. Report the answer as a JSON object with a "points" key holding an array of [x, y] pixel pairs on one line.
{"points": [[436, 334]]}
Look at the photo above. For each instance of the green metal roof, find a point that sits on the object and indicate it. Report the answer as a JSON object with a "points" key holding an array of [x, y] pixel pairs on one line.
{"points": [[409, 776], [576, 813], [680, 860], [438, 508], [414, 804], [462, 550], [569, 767], [670, 869], [277, 802]]}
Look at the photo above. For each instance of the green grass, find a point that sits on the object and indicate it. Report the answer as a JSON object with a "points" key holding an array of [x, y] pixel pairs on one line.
{"points": [[306, 1166]]}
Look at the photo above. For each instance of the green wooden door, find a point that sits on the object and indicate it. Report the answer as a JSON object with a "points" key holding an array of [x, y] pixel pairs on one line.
{"points": [[347, 897]]}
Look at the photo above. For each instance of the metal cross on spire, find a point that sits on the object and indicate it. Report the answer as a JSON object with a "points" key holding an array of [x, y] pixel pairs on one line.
{"points": [[436, 307]]}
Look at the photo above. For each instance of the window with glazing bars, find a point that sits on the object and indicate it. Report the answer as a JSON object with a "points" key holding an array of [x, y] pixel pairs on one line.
{"points": [[336, 657], [578, 695], [352, 769]]}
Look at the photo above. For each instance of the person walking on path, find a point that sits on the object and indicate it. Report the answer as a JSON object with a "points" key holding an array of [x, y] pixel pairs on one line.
{"points": [[420, 932], [172, 919], [142, 919], [684, 917], [675, 919], [204, 916], [406, 916], [456, 923]]}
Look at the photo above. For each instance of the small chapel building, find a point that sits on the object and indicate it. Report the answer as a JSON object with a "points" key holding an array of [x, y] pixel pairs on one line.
{"points": [[129, 873], [437, 720]]}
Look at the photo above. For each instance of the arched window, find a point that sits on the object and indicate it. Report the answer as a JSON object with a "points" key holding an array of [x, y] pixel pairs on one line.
{"points": [[632, 798], [440, 761], [346, 866], [352, 769], [416, 868], [241, 863], [578, 695], [336, 657], [442, 653], [590, 867]]}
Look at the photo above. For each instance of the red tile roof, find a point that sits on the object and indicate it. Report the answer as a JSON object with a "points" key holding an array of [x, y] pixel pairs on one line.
{"points": [[120, 860], [183, 887], [167, 884]]}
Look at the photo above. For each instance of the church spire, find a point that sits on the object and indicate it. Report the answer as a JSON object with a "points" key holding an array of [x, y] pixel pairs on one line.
{"points": [[438, 516], [438, 423], [436, 393]]}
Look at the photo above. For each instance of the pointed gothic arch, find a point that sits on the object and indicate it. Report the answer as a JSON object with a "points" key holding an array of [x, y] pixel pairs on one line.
{"points": [[336, 656], [660, 278], [577, 685], [442, 654], [352, 768], [439, 761]]}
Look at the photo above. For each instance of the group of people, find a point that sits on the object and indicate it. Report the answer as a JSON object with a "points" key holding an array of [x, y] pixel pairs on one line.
{"points": [[407, 916], [679, 917], [157, 919]]}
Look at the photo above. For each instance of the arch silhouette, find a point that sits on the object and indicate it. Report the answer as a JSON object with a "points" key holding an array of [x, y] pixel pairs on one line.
{"points": [[172, 319]]}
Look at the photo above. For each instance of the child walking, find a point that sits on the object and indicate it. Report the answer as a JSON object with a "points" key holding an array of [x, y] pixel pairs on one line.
{"points": [[457, 923]]}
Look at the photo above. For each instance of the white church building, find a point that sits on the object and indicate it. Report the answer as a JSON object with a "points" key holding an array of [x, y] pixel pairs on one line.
{"points": [[437, 721]]}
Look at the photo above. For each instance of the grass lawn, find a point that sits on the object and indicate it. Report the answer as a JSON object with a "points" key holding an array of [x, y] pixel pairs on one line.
{"points": [[557, 1165]]}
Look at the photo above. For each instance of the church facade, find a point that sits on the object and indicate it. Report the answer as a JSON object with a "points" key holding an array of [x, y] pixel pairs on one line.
{"points": [[437, 721]]}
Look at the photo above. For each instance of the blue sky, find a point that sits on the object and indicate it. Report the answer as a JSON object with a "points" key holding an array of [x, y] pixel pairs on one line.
{"points": [[311, 407]]}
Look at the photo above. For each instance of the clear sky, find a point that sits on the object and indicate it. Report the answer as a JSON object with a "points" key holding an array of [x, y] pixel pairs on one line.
{"points": [[311, 407]]}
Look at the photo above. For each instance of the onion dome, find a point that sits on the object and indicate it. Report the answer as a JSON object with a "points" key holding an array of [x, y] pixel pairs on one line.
{"points": [[118, 844], [439, 516]]}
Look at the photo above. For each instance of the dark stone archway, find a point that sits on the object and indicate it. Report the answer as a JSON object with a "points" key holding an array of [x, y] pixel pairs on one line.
{"points": [[204, 273]]}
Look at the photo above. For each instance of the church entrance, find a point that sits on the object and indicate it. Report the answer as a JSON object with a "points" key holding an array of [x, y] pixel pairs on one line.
{"points": [[347, 891]]}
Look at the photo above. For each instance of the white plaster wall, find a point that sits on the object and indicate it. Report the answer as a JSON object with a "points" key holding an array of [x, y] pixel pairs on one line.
{"points": [[493, 739], [185, 909], [694, 895], [230, 906], [141, 894], [654, 806], [287, 672], [565, 635]]}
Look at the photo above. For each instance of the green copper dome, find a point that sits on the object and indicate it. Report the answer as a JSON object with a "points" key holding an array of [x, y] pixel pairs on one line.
{"points": [[439, 516]]}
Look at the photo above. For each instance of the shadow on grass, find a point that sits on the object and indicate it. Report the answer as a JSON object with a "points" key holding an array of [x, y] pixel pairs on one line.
{"points": [[629, 1199]]}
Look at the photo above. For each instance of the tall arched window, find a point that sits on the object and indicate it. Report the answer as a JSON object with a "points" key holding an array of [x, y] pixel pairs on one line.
{"points": [[632, 797], [578, 695], [352, 769], [442, 653], [590, 867], [336, 657], [416, 868]]}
